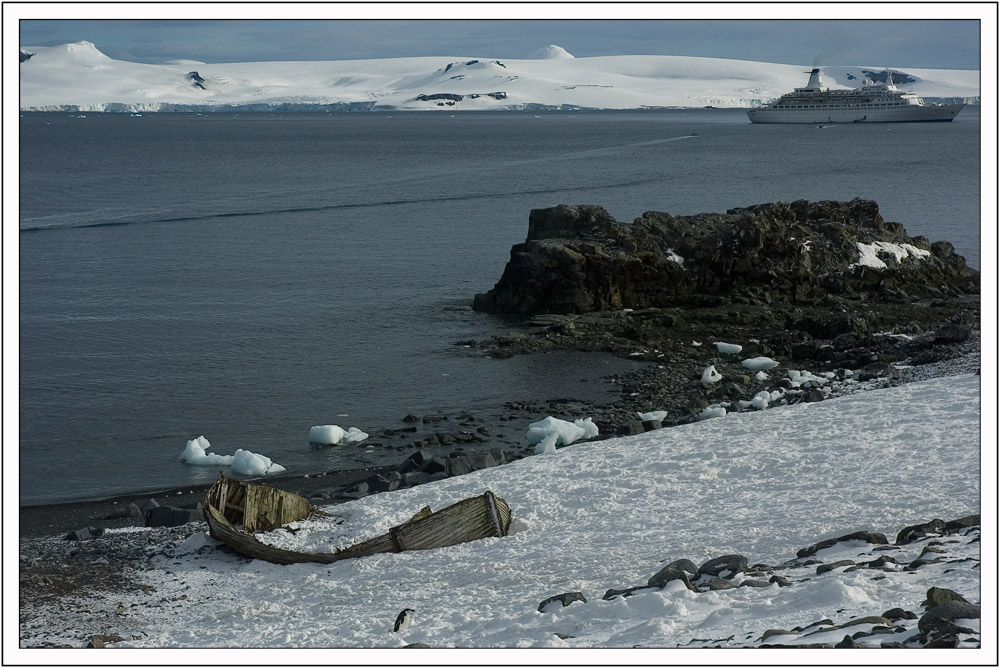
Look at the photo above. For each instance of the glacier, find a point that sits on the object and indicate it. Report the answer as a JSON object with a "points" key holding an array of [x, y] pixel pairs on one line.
{"points": [[78, 77]]}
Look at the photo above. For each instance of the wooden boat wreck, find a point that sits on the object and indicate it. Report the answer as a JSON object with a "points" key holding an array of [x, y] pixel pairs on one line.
{"points": [[235, 509]]}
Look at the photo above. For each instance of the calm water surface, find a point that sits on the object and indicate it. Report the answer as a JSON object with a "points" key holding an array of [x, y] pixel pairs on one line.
{"points": [[248, 276]]}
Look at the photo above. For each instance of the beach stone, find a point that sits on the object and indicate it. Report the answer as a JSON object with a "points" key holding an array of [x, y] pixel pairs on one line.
{"points": [[938, 621], [755, 583], [625, 593], [563, 599], [668, 574], [86, 533], [733, 563], [962, 523], [719, 584], [847, 643], [102, 641], [631, 428], [917, 531], [951, 334], [168, 516], [437, 464], [826, 568], [782, 581], [866, 536], [939, 596], [896, 614], [411, 418], [415, 461], [677, 565]]}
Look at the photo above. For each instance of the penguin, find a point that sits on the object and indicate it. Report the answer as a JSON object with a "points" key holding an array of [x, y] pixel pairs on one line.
{"points": [[403, 620]]}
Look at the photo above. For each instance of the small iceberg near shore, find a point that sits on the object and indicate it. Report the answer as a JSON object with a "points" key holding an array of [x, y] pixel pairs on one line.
{"points": [[331, 434], [243, 462], [195, 453]]}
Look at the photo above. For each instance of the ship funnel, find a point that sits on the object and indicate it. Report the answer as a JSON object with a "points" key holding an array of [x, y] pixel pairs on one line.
{"points": [[815, 80]]}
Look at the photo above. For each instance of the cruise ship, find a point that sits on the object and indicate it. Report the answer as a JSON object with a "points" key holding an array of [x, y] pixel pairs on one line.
{"points": [[870, 103]]}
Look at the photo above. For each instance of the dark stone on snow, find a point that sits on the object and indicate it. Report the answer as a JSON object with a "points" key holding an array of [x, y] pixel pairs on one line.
{"points": [[938, 596], [733, 563], [898, 613], [631, 428], [719, 584], [782, 581], [668, 574], [755, 583], [918, 531], [847, 642], [826, 568], [866, 536], [102, 641], [628, 591], [563, 599], [939, 620], [962, 523]]}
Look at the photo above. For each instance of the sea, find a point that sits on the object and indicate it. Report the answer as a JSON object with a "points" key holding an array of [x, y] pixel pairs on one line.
{"points": [[247, 276]]}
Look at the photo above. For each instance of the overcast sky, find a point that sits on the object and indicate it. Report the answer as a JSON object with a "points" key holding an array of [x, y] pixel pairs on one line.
{"points": [[926, 43]]}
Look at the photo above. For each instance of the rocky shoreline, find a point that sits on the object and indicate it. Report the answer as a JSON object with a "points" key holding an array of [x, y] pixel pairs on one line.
{"points": [[867, 333]]}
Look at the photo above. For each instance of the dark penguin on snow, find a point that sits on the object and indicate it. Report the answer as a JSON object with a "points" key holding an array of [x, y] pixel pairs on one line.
{"points": [[404, 620]]}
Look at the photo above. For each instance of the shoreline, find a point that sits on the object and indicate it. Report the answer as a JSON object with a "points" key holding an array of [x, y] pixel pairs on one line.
{"points": [[38, 521]]}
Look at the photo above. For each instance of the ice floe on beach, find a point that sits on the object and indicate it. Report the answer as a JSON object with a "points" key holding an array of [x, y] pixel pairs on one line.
{"points": [[546, 434], [244, 462]]}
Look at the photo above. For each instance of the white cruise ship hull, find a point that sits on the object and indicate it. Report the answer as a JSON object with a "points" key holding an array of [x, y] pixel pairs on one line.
{"points": [[856, 114]]}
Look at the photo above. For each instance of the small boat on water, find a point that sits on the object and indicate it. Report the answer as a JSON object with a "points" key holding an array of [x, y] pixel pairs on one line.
{"points": [[236, 509], [872, 102]]}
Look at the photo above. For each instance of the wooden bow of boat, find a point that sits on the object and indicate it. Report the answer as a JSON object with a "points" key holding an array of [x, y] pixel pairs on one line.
{"points": [[231, 503]]}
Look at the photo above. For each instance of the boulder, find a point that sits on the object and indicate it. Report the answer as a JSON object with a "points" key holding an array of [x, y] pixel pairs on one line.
{"points": [[549, 604], [939, 620], [939, 596], [918, 531], [725, 567], [168, 516], [577, 259], [866, 536]]}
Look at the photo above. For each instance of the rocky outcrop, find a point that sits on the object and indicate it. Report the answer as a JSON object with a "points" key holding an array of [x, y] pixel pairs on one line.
{"points": [[579, 259]]}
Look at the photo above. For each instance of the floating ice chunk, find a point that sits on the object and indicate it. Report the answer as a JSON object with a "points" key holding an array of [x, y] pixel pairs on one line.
{"points": [[194, 454], [696, 344], [727, 348], [559, 432], [326, 434], [331, 434], [759, 363], [712, 411], [652, 415], [710, 375], [760, 375], [250, 463], [761, 400]]}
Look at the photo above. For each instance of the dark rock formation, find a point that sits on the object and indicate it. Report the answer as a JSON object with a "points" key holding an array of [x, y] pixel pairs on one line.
{"points": [[454, 97], [579, 259], [196, 80], [564, 599], [25, 56], [866, 536]]}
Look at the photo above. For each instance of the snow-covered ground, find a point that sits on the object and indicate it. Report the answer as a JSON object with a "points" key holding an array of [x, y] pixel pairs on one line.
{"points": [[78, 77], [607, 515]]}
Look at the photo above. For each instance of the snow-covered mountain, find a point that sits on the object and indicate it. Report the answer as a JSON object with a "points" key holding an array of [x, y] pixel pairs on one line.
{"points": [[78, 77]]}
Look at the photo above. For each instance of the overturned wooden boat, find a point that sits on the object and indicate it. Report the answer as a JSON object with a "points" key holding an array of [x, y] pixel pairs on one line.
{"points": [[234, 509]]}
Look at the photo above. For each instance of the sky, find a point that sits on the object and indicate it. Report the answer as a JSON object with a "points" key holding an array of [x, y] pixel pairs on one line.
{"points": [[918, 43]]}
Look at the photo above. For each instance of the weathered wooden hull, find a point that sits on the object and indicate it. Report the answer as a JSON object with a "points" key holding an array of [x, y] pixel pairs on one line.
{"points": [[471, 519]]}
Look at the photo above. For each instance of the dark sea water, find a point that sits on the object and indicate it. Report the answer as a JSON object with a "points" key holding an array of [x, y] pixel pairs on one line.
{"points": [[248, 276]]}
